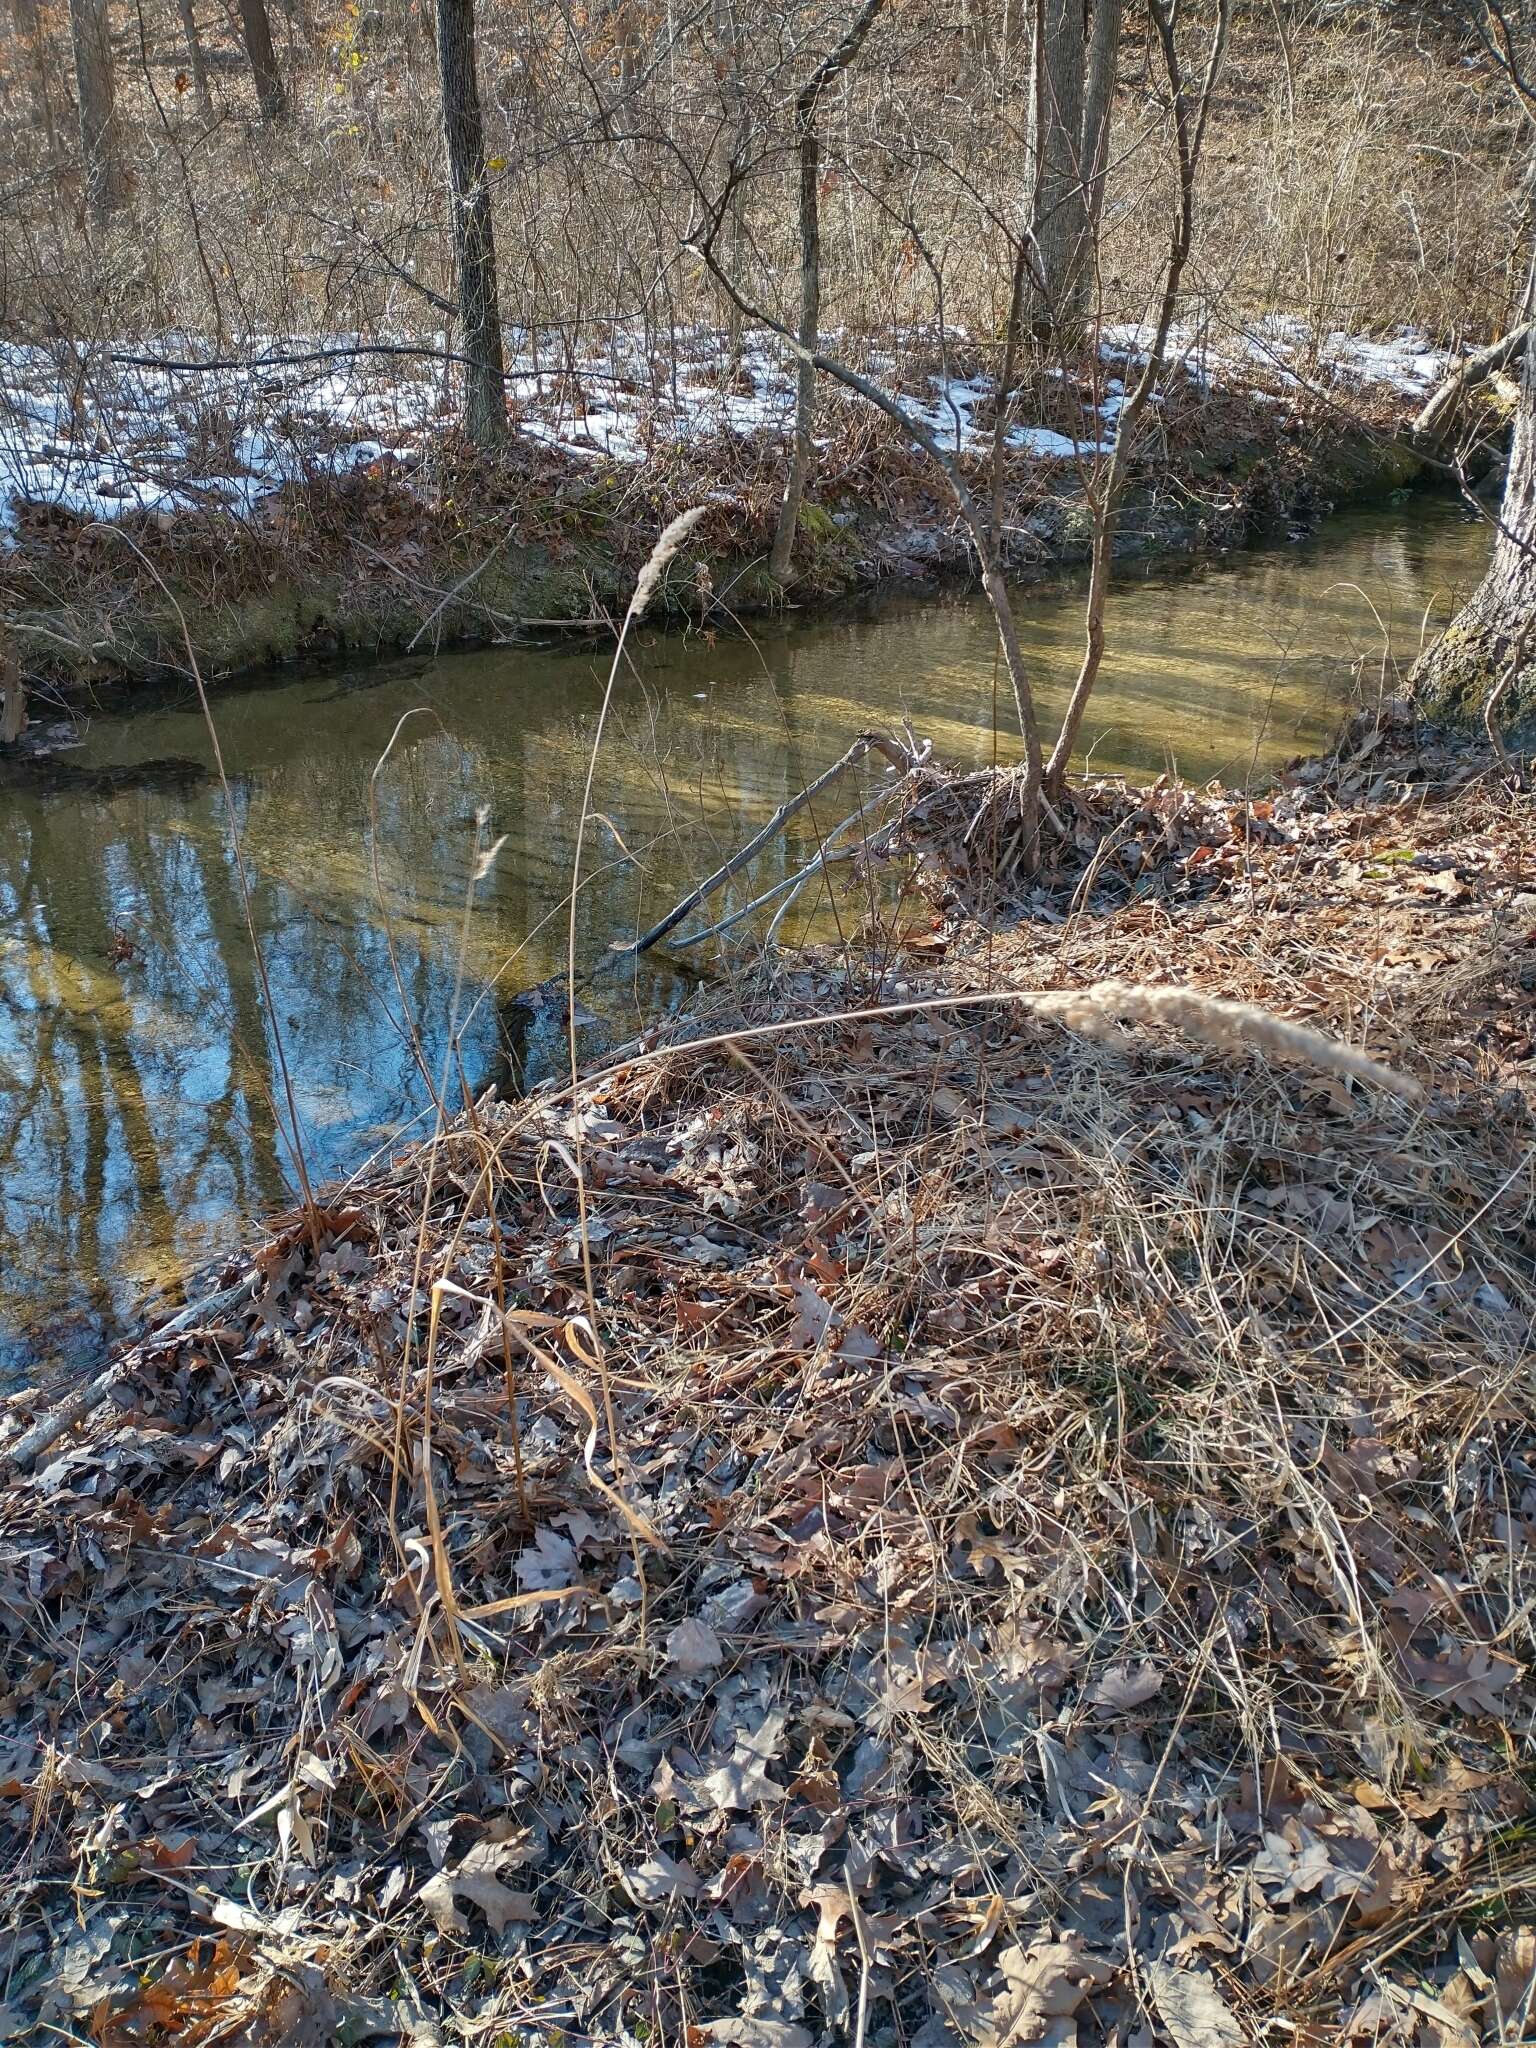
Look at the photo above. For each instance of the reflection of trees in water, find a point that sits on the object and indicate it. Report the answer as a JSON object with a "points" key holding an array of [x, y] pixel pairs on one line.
{"points": [[136, 1100], [78, 1127], [138, 1106]]}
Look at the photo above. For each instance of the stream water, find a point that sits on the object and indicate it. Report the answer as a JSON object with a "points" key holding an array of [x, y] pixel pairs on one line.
{"points": [[137, 1063]]}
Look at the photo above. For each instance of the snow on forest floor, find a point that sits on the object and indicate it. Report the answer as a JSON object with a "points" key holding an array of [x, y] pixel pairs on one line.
{"points": [[1285, 350], [168, 426]]}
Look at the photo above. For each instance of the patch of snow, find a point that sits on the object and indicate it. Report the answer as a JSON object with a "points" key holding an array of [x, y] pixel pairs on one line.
{"points": [[166, 426], [99, 436], [951, 418], [1283, 345], [1408, 362], [1045, 444]]}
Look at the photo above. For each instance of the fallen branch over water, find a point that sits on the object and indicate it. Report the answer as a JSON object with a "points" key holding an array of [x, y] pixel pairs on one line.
{"points": [[82, 1401], [865, 744]]}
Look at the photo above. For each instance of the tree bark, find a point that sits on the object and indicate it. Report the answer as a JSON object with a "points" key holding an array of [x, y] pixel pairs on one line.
{"points": [[257, 30], [1098, 109], [196, 63], [100, 140], [474, 240], [806, 108], [1059, 192], [1489, 635], [29, 30]]}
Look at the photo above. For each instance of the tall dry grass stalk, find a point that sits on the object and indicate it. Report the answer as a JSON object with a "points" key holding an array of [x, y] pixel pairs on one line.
{"points": [[1099, 1011], [668, 542]]}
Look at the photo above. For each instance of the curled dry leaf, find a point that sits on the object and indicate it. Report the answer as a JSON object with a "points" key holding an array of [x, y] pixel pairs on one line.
{"points": [[1124, 1687]]}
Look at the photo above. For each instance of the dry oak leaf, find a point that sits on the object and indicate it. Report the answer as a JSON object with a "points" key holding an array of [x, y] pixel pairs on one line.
{"points": [[744, 2031], [1047, 1981], [1465, 1676], [475, 1879], [743, 1782]]}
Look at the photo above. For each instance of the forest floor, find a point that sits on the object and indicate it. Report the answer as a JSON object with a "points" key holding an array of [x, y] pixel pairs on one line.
{"points": [[305, 501], [976, 1520]]}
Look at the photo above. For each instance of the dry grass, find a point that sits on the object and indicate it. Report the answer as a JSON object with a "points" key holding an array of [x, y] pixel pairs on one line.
{"points": [[1363, 174], [1063, 1545]]}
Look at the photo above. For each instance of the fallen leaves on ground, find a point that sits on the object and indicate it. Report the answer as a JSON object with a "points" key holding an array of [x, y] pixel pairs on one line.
{"points": [[1029, 1541]]}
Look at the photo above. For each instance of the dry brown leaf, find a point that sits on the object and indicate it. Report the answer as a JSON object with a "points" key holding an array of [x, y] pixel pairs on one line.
{"points": [[1192, 2009], [694, 1648], [475, 1879], [1124, 1687], [660, 1879]]}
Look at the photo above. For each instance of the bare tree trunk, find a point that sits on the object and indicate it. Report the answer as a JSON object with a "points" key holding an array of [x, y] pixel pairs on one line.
{"points": [[100, 142], [474, 241], [971, 510], [782, 554], [806, 108], [728, 31], [13, 699], [257, 30], [1487, 638], [196, 64], [29, 31], [1105, 492], [1098, 109], [1058, 210]]}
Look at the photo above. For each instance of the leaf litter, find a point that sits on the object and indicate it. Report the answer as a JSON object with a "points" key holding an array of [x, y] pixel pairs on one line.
{"points": [[1055, 1567]]}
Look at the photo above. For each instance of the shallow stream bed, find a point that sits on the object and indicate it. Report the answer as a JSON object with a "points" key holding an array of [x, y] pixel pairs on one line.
{"points": [[138, 1073]]}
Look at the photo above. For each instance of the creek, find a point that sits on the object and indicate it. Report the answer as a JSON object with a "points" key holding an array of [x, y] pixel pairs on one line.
{"points": [[138, 1067]]}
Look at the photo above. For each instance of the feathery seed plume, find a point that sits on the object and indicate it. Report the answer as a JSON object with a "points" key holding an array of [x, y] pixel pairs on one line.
{"points": [[667, 545]]}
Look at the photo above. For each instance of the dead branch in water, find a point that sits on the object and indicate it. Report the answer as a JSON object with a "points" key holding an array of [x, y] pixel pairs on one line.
{"points": [[868, 742]]}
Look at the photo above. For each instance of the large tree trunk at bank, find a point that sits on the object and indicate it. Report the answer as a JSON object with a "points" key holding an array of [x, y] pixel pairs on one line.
{"points": [[257, 30], [100, 141], [1098, 110], [1058, 185], [474, 241], [29, 31], [1497, 625]]}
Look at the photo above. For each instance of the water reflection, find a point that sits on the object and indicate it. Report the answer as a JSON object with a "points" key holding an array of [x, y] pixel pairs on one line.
{"points": [[137, 1082]]}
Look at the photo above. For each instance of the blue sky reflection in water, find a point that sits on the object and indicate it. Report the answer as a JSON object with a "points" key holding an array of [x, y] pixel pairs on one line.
{"points": [[136, 1072]]}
